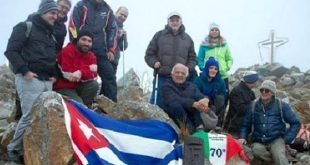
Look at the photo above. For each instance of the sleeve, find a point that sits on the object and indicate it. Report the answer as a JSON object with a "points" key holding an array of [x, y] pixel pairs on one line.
{"points": [[246, 123], [65, 63], [191, 62], [87, 74], [170, 96], [228, 58], [14, 48], [151, 51], [290, 118], [201, 58], [75, 21], [111, 32]]}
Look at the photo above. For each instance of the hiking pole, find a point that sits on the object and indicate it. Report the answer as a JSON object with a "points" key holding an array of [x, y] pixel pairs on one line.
{"points": [[123, 62], [156, 87]]}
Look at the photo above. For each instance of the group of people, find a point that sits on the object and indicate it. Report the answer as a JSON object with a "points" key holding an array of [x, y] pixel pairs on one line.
{"points": [[41, 63], [187, 97]]}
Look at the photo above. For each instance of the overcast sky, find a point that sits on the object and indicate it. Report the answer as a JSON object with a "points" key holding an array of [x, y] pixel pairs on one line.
{"points": [[242, 22]]}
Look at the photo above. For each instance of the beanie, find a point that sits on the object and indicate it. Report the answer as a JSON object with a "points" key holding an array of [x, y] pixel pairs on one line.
{"points": [[84, 33], [211, 62], [47, 5], [250, 77], [268, 84], [213, 25]]}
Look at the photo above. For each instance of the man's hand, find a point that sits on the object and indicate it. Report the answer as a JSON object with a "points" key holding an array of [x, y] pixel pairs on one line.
{"points": [[30, 75], [110, 56], [200, 106], [122, 32], [157, 65], [242, 141], [75, 76], [52, 79], [93, 67]]}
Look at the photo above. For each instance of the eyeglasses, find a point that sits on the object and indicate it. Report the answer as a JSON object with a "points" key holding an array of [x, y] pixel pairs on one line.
{"points": [[264, 90]]}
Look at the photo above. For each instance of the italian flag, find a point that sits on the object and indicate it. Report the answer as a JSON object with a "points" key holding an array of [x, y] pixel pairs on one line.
{"points": [[219, 149]]}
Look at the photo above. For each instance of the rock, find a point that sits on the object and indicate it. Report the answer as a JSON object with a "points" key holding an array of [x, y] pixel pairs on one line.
{"points": [[286, 81], [277, 70], [303, 111], [298, 77], [46, 141], [133, 110], [293, 69]]}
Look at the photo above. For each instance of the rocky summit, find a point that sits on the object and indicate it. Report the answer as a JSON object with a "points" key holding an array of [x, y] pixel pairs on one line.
{"points": [[46, 141]]}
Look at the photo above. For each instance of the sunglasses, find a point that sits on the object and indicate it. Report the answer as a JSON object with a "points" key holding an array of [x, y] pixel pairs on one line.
{"points": [[264, 90]]}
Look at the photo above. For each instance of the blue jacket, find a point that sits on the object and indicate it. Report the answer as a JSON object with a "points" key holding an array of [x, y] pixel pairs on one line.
{"points": [[100, 21], [268, 123], [211, 88]]}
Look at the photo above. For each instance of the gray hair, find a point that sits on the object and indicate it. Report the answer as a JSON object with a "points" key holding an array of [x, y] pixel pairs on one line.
{"points": [[180, 65]]}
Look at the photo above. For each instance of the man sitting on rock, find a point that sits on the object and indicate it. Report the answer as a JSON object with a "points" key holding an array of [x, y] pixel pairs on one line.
{"points": [[267, 118], [78, 66], [183, 101]]}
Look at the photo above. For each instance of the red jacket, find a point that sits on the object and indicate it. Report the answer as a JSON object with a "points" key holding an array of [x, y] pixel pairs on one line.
{"points": [[70, 60]]}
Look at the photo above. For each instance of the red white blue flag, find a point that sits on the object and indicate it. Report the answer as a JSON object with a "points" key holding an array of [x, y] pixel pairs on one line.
{"points": [[100, 140]]}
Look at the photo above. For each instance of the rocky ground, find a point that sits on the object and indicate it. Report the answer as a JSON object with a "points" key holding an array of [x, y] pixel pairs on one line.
{"points": [[48, 128]]}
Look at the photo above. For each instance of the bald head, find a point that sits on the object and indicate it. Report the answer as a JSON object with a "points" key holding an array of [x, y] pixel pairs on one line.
{"points": [[179, 73]]}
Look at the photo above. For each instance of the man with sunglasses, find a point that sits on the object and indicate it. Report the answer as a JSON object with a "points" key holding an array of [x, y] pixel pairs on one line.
{"points": [[267, 119]]}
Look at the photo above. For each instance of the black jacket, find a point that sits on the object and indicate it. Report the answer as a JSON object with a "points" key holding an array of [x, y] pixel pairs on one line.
{"points": [[240, 97], [169, 49], [186, 93], [60, 33], [37, 53]]}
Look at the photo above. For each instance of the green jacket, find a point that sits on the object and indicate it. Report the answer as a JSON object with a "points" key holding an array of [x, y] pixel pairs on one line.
{"points": [[221, 54]]}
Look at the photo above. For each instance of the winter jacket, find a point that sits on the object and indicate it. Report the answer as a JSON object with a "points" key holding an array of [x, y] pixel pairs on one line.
{"points": [[211, 88], [122, 44], [268, 123], [35, 53], [169, 49], [98, 19], [186, 93], [70, 59], [239, 98], [220, 53]]}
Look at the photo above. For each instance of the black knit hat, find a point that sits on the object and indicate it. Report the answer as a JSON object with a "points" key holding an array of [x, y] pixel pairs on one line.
{"points": [[46, 6], [84, 33]]}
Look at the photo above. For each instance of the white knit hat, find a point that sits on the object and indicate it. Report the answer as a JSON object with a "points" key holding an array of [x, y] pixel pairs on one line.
{"points": [[268, 84], [213, 25], [174, 13]]}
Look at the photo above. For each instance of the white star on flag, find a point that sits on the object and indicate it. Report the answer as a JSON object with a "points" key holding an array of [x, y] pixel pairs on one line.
{"points": [[88, 132]]}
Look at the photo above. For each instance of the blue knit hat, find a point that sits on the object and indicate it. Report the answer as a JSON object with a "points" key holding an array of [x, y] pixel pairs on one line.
{"points": [[250, 77], [211, 62], [46, 6]]}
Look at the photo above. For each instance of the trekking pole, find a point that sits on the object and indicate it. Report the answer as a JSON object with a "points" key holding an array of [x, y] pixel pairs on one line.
{"points": [[123, 62], [156, 87]]}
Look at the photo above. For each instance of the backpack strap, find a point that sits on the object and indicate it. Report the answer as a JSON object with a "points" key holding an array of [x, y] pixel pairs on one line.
{"points": [[29, 26], [280, 109]]}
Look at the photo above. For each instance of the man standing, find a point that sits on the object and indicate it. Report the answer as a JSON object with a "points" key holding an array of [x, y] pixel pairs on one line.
{"points": [[268, 118], [240, 97], [168, 47], [64, 7], [182, 100], [33, 59], [79, 70], [122, 44], [97, 17]]}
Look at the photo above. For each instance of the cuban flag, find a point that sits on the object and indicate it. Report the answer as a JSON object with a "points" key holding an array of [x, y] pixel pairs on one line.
{"points": [[100, 140]]}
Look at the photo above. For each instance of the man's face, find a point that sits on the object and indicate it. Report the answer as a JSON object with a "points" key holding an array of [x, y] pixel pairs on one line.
{"points": [[122, 15], [175, 23], [265, 94], [214, 32], [50, 17], [179, 74], [84, 44], [252, 85], [213, 71], [63, 9]]}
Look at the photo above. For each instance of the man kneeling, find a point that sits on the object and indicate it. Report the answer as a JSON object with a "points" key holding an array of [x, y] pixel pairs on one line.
{"points": [[183, 101], [78, 66]]}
